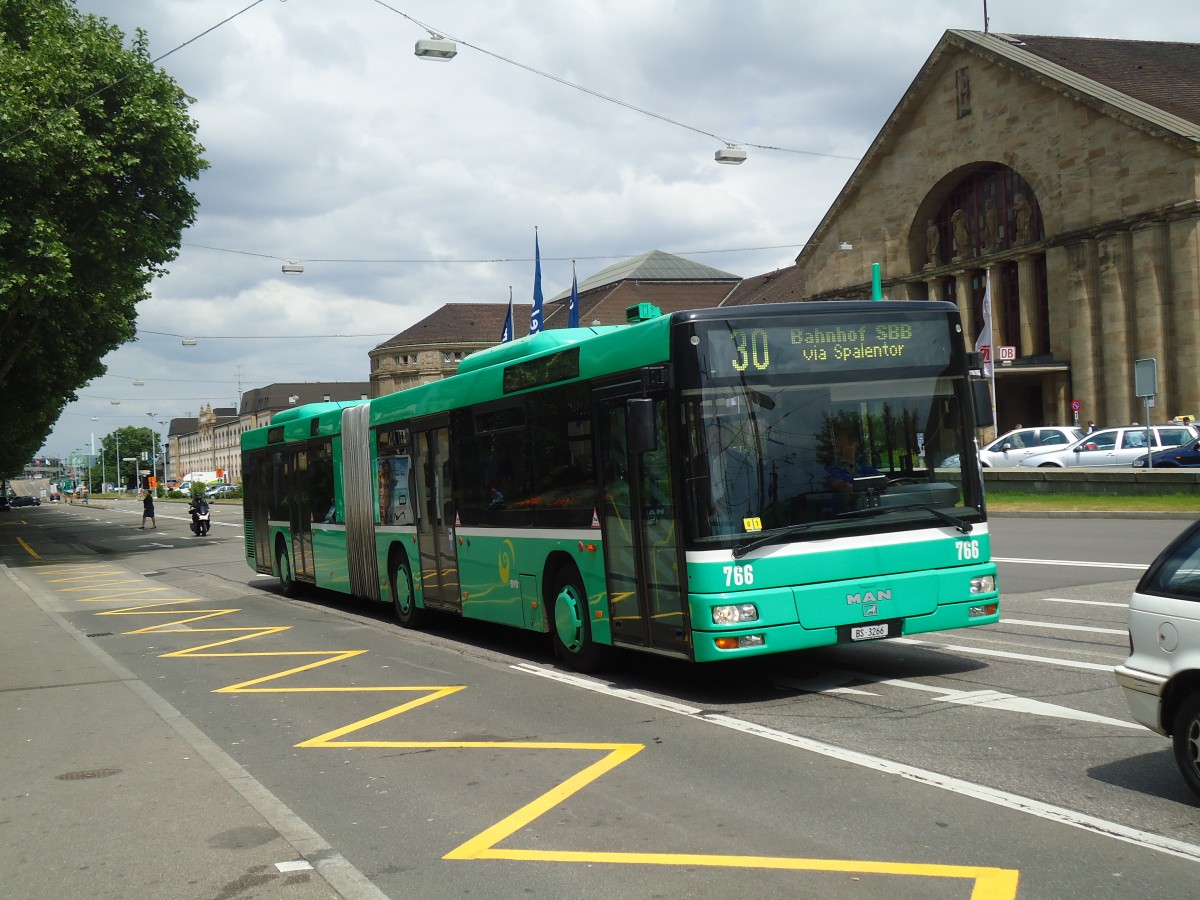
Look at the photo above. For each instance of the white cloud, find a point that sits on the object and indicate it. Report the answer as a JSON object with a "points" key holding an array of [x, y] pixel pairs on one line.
{"points": [[329, 140]]}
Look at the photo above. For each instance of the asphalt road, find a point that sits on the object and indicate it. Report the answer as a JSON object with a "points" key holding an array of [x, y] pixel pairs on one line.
{"points": [[461, 760]]}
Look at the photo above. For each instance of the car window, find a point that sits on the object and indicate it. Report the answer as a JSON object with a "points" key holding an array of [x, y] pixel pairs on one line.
{"points": [[1101, 440], [1134, 440], [1172, 436], [1049, 438], [1177, 572]]}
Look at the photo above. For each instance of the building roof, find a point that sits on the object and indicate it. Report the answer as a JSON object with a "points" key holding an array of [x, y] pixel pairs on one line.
{"points": [[608, 304], [653, 265], [1142, 77], [459, 323], [781, 286], [279, 396]]}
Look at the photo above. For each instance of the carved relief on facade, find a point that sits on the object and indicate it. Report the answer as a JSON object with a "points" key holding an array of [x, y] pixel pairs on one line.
{"points": [[962, 92], [962, 235]]}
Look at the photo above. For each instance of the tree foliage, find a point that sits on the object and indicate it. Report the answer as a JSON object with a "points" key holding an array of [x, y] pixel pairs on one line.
{"points": [[97, 149], [122, 444]]}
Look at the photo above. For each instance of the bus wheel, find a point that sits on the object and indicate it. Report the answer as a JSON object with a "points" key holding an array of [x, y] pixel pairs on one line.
{"points": [[287, 581], [404, 599], [572, 631]]}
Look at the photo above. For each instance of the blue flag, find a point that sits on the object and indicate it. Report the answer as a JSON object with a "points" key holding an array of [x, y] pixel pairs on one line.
{"points": [[573, 309], [507, 334], [535, 316]]}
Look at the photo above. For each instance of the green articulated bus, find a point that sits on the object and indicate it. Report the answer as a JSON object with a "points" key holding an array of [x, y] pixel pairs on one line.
{"points": [[707, 485]]}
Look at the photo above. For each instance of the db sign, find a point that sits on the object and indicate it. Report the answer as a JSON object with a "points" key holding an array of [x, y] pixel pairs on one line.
{"points": [[1006, 354]]}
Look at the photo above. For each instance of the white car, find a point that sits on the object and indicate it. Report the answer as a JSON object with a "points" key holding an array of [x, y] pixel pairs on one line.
{"points": [[1161, 678], [1111, 447], [1006, 451]]}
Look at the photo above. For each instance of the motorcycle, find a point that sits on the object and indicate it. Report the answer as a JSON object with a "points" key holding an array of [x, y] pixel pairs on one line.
{"points": [[200, 518]]}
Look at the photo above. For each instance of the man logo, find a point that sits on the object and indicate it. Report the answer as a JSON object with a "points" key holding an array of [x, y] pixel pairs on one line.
{"points": [[868, 597]]}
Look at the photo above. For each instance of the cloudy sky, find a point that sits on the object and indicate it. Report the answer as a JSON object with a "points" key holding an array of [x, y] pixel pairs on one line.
{"points": [[403, 184]]}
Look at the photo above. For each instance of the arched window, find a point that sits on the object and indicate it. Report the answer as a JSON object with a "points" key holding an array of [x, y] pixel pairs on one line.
{"points": [[991, 209]]}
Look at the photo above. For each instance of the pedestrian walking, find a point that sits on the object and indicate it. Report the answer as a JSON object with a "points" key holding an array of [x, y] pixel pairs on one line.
{"points": [[148, 511]]}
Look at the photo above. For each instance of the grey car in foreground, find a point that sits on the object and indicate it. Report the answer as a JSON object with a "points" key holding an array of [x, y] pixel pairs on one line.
{"points": [[1161, 678]]}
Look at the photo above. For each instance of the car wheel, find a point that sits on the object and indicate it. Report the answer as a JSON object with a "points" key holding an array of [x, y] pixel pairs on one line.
{"points": [[1186, 737], [287, 581], [572, 630], [404, 598]]}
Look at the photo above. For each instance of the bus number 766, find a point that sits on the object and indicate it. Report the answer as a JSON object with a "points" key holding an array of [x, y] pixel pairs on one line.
{"points": [[738, 576]]}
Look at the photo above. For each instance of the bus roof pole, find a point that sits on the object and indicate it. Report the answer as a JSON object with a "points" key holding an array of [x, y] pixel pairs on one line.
{"points": [[876, 283]]}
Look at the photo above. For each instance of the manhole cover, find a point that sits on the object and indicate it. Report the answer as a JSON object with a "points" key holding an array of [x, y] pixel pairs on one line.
{"points": [[87, 773]]}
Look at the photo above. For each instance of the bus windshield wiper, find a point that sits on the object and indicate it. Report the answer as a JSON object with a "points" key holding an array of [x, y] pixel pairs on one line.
{"points": [[961, 524], [871, 511], [740, 550]]}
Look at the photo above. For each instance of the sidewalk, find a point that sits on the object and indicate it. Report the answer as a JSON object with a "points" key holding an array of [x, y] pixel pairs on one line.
{"points": [[106, 791]]}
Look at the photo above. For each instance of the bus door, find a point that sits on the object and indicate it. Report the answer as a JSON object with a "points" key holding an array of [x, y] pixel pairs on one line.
{"points": [[641, 540], [436, 519], [300, 515], [255, 506]]}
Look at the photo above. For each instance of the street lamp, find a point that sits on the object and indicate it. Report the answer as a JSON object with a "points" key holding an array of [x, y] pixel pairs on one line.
{"points": [[103, 471], [436, 47], [153, 456]]}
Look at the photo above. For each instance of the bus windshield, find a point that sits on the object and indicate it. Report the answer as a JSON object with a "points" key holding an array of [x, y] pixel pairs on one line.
{"points": [[814, 451]]}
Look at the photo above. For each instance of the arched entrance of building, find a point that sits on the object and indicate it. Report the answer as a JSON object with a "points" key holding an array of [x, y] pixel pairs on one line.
{"points": [[980, 229]]}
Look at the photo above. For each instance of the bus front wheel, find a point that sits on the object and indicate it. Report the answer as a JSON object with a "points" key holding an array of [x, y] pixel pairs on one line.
{"points": [[404, 599], [287, 581], [572, 631]]}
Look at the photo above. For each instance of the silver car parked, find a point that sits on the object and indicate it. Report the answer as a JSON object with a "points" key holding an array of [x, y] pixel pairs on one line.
{"points": [[1007, 451], [1161, 678], [1111, 447]]}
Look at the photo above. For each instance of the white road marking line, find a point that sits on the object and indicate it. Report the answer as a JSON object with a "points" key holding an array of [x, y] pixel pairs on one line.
{"points": [[1005, 654], [1014, 802], [1124, 605], [1087, 628], [1070, 562]]}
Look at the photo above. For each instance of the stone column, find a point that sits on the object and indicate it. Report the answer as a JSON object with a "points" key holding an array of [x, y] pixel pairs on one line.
{"points": [[1116, 334], [931, 289], [962, 291], [1149, 271], [1183, 338], [1080, 294], [1028, 299], [1056, 402]]}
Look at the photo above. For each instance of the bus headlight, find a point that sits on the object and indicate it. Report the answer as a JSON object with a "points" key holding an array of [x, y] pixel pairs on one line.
{"points": [[983, 584], [732, 615]]}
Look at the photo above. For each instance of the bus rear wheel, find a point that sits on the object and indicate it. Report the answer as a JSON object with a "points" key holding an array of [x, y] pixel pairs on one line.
{"points": [[570, 625], [404, 598], [283, 565]]}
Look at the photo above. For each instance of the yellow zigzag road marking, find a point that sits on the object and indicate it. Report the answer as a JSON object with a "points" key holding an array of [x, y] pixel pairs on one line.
{"points": [[988, 883]]}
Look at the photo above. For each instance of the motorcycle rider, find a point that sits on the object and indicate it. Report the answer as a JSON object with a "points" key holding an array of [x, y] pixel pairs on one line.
{"points": [[198, 507]]}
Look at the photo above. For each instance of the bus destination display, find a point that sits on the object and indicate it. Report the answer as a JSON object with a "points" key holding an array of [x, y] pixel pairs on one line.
{"points": [[771, 348]]}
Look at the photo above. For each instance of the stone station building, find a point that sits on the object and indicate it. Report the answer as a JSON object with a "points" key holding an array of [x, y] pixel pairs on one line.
{"points": [[1069, 170]]}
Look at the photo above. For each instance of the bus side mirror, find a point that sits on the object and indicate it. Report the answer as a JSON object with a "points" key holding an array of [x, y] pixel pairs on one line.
{"points": [[982, 396], [640, 431]]}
